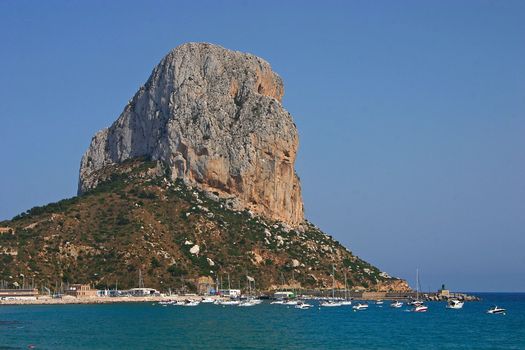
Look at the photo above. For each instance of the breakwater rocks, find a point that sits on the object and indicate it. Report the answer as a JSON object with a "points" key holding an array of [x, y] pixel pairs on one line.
{"points": [[404, 295]]}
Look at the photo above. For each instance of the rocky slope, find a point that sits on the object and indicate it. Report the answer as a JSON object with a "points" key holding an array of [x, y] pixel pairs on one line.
{"points": [[215, 118], [139, 219]]}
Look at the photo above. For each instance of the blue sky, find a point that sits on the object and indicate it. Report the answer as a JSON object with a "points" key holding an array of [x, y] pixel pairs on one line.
{"points": [[411, 114]]}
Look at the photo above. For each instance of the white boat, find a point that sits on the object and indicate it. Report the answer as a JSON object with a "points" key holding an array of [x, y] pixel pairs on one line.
{"points": [[360, 307], [291, 302], [346, 302], [420, 308], [207, 300], [455, 304], [246, 303], [227, 302], [330, 303], [252, 300], [303, 306], [190, 303], [379, 302], [278, 302], [396, 304], [496, 310]]}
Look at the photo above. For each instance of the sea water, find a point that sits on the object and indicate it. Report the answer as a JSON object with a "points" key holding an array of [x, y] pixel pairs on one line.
{"points": [[265, 326]]}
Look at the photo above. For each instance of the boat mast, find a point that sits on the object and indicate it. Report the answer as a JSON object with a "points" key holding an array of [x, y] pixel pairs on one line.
{"points": [[346, 294], [333, 282], [141, 280], [417, 284], [293, 281]]}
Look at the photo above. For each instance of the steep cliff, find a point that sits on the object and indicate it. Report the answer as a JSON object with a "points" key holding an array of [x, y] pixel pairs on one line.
{"points": [[215, 118]]}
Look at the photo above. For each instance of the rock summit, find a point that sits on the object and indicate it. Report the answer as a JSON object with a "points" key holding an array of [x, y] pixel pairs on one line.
{"points": [[214, 117]]}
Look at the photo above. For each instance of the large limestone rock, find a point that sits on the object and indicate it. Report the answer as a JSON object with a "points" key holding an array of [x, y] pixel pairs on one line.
{"points": [[215, 118]]}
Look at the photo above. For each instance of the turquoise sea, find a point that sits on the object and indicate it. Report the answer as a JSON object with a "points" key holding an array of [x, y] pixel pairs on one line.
{"points": [[148, 326]]}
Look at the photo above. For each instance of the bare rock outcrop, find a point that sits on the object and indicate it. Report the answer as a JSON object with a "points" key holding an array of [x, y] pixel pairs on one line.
{"points": [[215, 118]]}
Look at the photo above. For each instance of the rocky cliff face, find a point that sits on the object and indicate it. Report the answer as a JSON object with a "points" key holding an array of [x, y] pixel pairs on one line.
{"points": [[215, 118]]}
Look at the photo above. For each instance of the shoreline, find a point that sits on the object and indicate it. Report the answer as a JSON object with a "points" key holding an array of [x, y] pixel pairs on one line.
{"points": [[98, 300], [70, 300]]}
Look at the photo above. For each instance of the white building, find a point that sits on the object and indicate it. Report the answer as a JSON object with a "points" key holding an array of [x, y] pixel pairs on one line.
{"points": [[232, 293], [142, 292], [283, 295]]}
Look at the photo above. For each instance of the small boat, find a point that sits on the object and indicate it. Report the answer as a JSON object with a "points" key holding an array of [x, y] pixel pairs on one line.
{"points": [[379, 302], [246, 303], [227, 302], [420, 308], [303, 306], [278, 302], [396, 304], [455, 304], [496, 310], [190, 303], [360, 307], [346, 302], [330, 303], [207, 300], [291, 302]]}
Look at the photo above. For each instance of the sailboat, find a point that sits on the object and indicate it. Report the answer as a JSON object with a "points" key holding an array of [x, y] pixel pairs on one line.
{"points": [[346, 301], [230, 300], [418, 304], [250, 300], [292, 301], [331, 302]]}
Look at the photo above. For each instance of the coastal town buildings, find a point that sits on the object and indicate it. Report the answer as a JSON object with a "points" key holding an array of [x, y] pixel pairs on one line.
{"points": [[141, 292], [18, 294], [81, 291]]}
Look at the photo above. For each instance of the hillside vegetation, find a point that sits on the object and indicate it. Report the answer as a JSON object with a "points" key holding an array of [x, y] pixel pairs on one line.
{"points": [[137, 219]]}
